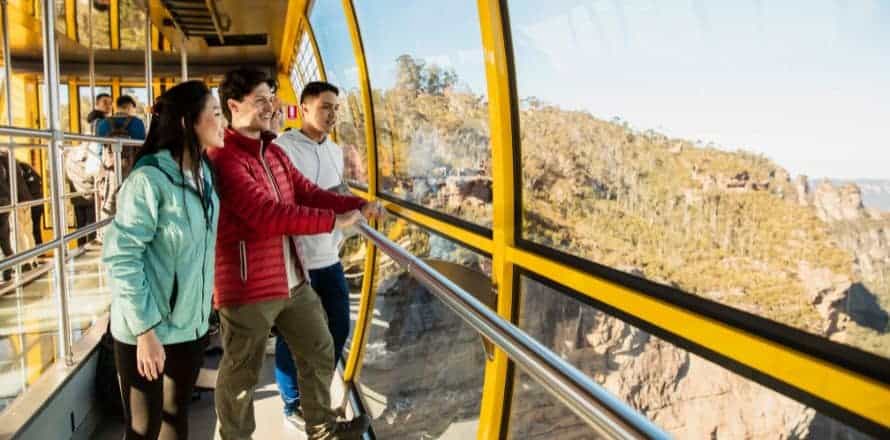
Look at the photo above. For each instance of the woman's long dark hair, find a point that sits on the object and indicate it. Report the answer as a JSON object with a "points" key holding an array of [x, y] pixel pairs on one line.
{"points": [[172, 128]]}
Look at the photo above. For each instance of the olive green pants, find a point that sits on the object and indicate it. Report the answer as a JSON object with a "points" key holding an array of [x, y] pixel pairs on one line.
{"points": [[301, 321]]}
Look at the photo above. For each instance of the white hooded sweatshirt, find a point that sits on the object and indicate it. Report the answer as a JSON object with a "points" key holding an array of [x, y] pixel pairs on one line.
{"points": [[321, 163]]}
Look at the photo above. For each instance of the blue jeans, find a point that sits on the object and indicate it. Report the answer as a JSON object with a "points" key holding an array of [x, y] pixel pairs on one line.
{"points": [[330, 283]]}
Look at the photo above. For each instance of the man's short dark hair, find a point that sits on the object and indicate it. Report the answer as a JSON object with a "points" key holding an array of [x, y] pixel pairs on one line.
{"points": [[102, 95], [239, 83], [125, 100], [316, 88]]}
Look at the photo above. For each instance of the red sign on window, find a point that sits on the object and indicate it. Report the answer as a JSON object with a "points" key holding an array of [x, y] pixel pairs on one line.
{"points": [[291, 112]]}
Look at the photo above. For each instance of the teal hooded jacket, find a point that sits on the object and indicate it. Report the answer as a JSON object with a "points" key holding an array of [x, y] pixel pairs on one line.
{"points": [[160, 253]]}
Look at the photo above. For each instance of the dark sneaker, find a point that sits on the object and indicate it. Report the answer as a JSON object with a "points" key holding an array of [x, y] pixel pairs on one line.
{"points": [[295, 418], [351, 429]]}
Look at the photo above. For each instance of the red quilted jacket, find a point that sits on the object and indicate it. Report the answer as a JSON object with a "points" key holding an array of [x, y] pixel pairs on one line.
{"points": [[263, 198]]}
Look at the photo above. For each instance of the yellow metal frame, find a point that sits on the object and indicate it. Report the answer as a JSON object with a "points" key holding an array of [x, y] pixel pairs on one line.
{"points": [[497, 74], [369, 294], [73, 107], [296, 11], [71, 19]]}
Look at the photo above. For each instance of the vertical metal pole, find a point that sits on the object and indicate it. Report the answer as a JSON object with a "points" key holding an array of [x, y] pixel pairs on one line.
{"points": [[7, 63], [118, 167], [92, 59], [13, 169], [7, 85], [51, 75], [184, 59], [97, 209], [148, 72]]}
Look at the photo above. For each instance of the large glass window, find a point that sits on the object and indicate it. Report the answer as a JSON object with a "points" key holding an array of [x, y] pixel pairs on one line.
{"points": [[736, 151], [335, 45], [101, 23], [132, 25], [684, 394], [430, 108], [423, 366], [86, 104]]}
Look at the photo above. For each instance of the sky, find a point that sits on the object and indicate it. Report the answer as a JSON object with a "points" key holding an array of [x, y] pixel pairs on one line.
{"points": [[806, 83]]}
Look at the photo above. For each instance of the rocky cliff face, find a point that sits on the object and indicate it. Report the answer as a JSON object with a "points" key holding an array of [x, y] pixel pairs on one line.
{"points": [[686, 395], [838, 203]]}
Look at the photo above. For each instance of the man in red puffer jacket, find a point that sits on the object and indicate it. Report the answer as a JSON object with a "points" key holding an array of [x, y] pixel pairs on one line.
{"points": [[260, 277]]}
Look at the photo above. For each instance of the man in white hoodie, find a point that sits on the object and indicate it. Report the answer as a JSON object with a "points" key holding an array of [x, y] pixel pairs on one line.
{"points": [[320, 160]]}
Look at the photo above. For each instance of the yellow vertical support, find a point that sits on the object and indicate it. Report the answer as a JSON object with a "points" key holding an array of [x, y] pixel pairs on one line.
{"points": [[359, 338], [291, 36], [71, 19], [114, 11], [155, 39], [116, 87], [497, 73], [73, 108]]}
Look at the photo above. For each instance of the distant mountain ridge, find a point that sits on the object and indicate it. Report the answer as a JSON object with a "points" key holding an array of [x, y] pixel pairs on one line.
{"points": [[875, 192]]}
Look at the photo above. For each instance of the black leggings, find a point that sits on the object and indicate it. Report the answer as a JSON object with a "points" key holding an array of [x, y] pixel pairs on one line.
{"points": [[159, 409]]}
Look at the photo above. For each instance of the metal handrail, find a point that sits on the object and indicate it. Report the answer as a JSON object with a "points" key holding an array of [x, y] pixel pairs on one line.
{"points": [[6, 130], [36, 251], [601, 410], [102, 140]]}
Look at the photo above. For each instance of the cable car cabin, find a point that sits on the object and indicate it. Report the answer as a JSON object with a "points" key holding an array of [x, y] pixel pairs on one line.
{"points": [[603, 219]]}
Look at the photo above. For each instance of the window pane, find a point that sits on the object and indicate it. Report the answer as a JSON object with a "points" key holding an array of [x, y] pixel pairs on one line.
{"points": [[101, 24], [353, 252], [132, 25], [430, 108], [87, 104], [423, 366], [335, 45], [140, 94], [89, 292], [675, 144], [684, 394], [29, 344], [64, 113]]}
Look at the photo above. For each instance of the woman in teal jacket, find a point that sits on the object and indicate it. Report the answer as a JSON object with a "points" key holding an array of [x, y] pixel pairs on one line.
{"points": [[159, 251]]}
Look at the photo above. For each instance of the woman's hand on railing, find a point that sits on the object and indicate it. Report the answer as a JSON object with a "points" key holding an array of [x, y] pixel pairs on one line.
{"points": [[373, 211], [150, 355], [347, 219]]}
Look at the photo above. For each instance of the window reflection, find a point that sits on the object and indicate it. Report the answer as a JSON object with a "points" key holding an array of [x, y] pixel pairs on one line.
{"points": [[682, 393], [132, 25], [335, 45], [101, 23], [675, 144], [439, 359], [430, 108], [61, 22]]}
